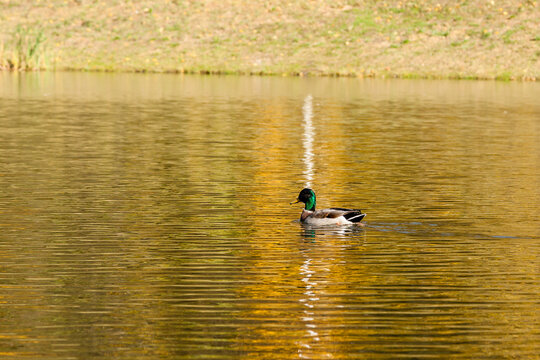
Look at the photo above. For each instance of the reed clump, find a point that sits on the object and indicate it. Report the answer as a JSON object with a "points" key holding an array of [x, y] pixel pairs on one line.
{"points": [[25, 50]]}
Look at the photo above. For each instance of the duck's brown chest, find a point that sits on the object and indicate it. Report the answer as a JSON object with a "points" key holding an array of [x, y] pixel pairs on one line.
{"points": [[305, 214]]}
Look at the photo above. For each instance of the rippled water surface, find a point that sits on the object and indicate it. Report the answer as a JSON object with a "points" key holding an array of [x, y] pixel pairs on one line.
{"points": [[148, 216]]}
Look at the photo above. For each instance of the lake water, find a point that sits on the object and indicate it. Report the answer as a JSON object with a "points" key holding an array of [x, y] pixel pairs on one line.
{"points": [[147, 216]]}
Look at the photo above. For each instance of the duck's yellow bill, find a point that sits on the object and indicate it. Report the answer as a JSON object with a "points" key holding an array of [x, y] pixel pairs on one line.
{"points": [[294, 202]]}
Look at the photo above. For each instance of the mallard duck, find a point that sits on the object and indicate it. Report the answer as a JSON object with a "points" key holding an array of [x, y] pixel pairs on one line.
{"points": [[332, 216]]}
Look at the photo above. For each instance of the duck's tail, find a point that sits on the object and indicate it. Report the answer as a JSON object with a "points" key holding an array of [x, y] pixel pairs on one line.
{"points": [[354, 216]]}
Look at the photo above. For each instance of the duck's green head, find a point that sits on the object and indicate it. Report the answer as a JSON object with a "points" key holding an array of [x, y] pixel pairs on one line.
{"points": [[307, 196]]}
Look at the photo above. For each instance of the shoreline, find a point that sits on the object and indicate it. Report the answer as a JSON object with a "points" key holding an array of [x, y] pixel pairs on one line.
{"points": [[505, 77]]}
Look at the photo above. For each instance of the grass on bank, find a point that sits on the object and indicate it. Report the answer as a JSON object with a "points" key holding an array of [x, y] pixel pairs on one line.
{"points": [[497, 39]]}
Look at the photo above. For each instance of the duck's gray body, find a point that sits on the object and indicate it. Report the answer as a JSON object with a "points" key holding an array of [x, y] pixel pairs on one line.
{"points": [[332, 216]]}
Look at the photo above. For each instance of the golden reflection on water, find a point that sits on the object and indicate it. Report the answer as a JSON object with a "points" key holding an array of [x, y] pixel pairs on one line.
{"points": [[147, 216]]}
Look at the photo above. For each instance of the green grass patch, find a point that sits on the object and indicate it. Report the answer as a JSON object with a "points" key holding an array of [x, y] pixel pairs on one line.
{"points": [[364, 21], [504, 76]]}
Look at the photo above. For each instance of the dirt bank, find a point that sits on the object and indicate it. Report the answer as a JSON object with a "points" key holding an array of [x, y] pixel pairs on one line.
{"points": [[439, 39]]}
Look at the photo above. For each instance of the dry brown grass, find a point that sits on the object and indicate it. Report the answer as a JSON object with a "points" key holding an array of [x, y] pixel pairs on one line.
{"points": [[422, 38]]}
